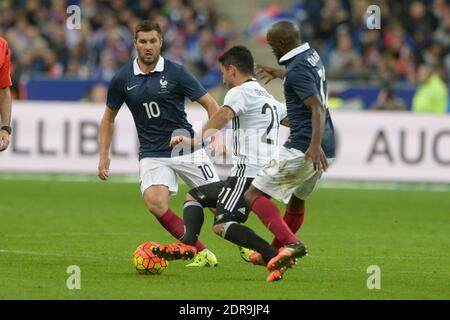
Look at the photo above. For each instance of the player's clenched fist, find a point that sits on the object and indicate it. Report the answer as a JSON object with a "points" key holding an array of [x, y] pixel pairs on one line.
{"points": [[184, 141]]}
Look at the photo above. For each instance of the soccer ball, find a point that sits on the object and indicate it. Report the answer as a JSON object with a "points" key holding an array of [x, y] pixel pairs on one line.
{"points": [[146, 262]]}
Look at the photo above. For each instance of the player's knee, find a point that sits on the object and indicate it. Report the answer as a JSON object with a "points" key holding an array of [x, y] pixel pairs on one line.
{"points": [[193, 195], [251, 194], [249, 197], [218, 228], [188, 197], [156, 205], [296, 204], [157, 209], [157, 200]]}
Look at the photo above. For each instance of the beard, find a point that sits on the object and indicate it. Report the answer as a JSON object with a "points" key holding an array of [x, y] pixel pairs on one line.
{"points": [[148, 60]]}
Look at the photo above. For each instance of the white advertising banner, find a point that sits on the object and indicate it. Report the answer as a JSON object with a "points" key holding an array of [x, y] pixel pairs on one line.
{"points": [[391, 146], [63, 137]]}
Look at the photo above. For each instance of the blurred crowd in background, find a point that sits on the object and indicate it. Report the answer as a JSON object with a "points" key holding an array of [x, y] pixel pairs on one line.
{"points": [[413, 33], [194, 35], [412, 47]]}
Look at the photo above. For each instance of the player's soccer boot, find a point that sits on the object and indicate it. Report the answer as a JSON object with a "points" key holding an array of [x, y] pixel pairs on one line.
{"points": [[152, 244], [204, 258], [276, 275], [251, 256], [287, 255], [175, 251]]}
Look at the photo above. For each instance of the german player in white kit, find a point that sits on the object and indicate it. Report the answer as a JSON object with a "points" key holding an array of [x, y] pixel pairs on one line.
{"points": [[256, 118]]}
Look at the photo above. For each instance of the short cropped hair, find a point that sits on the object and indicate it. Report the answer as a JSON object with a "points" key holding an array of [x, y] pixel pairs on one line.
{"points": [[240, 57], [147, 25]]}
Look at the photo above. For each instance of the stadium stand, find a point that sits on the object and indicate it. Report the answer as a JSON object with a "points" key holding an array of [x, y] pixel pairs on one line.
{"points": [[360, 62]]}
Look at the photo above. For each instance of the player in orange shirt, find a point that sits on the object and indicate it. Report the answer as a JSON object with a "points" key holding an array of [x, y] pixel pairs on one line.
{"points": [[5, 94]]}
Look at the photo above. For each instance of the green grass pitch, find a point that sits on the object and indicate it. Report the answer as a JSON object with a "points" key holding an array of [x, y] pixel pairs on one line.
{"points": [[47, 226]]}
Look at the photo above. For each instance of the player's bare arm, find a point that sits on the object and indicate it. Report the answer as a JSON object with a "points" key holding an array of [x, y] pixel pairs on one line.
{"points": [[106, 133], [268, 73], [211, 106], [215, 123], [315, 151], [5, 116]]}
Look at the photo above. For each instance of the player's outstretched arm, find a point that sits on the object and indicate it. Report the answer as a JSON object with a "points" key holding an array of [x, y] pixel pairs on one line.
{"points": [[315, 151], [268, 73], [211, 127], [106, 133], [217, 122], [5, 116]]}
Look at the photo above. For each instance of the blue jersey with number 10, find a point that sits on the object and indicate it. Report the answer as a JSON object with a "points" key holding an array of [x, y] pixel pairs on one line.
{"points": [[156, 101], [305, 76]]}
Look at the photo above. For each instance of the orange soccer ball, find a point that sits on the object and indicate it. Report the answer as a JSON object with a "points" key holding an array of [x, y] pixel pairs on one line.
{"points": [[146, 262]]}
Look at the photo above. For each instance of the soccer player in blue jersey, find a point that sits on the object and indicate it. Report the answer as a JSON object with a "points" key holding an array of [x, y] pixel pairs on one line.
{"points": [[310, 148], [154, 90]]}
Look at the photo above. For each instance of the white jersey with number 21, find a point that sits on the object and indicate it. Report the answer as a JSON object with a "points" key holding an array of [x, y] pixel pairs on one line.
{"points": [[255, 127]]}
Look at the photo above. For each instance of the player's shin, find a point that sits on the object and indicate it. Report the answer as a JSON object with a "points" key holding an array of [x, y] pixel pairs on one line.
{"points": [[172, 223], [294, 219], [270, 216], [175, 226], [193, 221], [246, 237]]}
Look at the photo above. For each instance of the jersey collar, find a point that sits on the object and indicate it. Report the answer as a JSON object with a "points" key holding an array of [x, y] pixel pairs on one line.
{"points": [[294, 52], [158, 68]]}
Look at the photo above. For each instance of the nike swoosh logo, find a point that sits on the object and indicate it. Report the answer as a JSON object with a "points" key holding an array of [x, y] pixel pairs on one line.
{"points": [[131, 88]]}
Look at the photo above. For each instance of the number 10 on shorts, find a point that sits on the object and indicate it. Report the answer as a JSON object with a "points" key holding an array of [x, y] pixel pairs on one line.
{"points": [[206, 171]]}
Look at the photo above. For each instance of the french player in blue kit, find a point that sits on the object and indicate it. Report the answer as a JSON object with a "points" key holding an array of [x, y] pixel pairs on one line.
{"points": [[154, 90], [310, 148]]}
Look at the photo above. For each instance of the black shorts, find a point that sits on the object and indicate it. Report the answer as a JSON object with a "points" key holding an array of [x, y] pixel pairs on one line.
{"points": [[227, 197]]}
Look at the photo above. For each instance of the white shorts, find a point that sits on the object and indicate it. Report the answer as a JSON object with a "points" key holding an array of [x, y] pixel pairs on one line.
{"points": [[288, 175], [196, 169]]}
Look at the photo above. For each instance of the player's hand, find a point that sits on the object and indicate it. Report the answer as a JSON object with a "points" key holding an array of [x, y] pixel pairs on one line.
{"points": [[4, 140], [319, 160], [103, 168], [268, 73], [184, 141], [217, 145]]}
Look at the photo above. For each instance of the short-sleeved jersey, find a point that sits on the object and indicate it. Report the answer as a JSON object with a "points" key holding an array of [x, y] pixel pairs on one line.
{"points": [[305, 76], [5, 64], [156, 101], [255, 127]]}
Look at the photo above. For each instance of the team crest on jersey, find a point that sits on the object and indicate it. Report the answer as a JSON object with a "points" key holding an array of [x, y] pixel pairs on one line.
{"points": [[163, 82]]}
